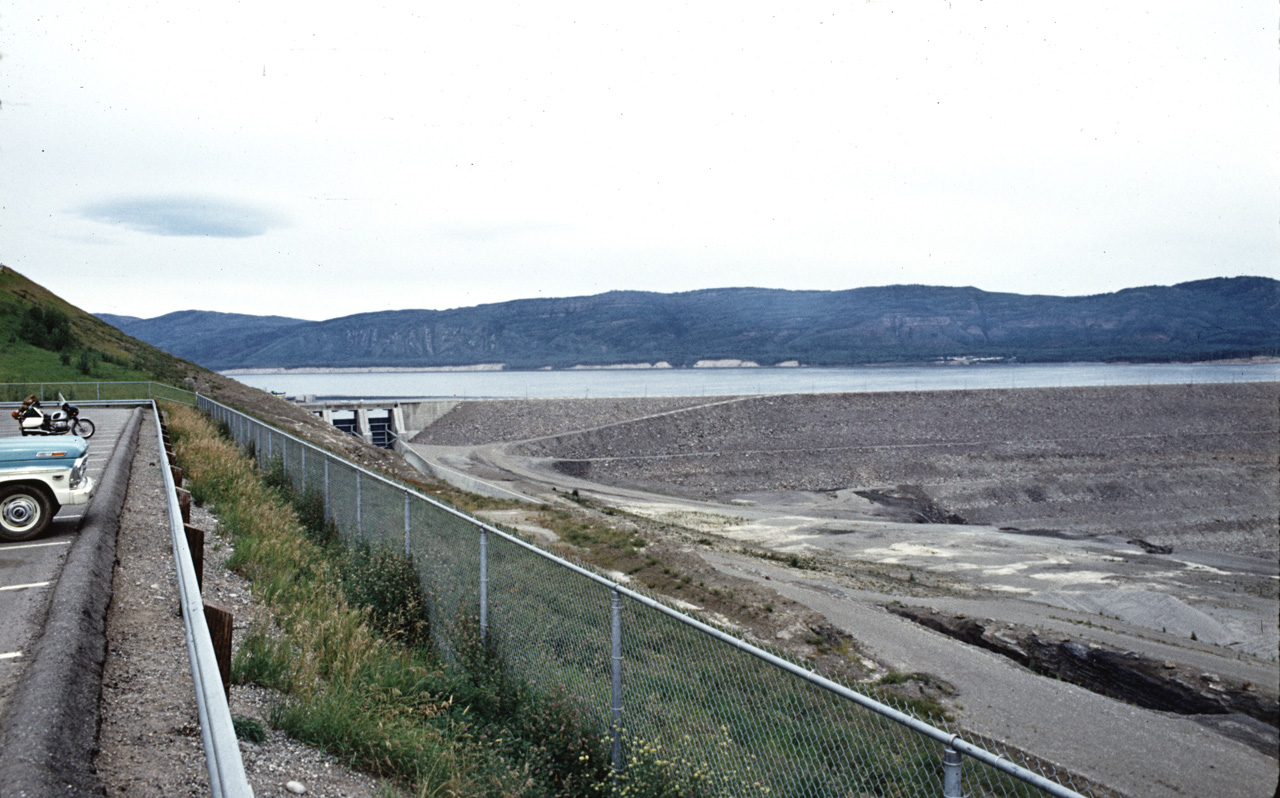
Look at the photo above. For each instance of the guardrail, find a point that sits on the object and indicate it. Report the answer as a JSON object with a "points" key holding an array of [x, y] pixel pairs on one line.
{"points": [[222, 750], [706, 700]]}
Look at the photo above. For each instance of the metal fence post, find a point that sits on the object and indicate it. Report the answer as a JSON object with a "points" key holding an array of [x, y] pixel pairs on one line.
{"points": [[951, 760], [303, 449], [359, 521], [326, 489], [484, 584], [407, 549], [615, 726]]}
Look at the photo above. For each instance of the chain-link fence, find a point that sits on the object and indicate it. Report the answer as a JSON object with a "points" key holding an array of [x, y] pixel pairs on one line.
{"points": [[94, 391], [716, 714]]}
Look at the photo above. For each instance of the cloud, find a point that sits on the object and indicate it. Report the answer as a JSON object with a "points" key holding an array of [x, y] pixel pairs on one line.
{"points": [[184, 216]]}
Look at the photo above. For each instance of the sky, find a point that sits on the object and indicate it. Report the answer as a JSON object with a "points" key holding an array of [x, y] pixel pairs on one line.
{"points": [[314, 160]]}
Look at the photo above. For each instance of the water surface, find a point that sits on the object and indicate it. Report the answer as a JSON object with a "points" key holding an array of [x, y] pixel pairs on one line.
{"points": [[737, 381]]}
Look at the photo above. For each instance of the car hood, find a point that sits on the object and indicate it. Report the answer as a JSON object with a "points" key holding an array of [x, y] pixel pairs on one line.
{"points": [[42, 449]]}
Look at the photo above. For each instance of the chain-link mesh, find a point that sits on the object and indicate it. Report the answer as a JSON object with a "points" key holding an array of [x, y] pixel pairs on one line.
{"points": [[94, 391], [717, 718], [446, 550], [551, 625], [715, 709]]}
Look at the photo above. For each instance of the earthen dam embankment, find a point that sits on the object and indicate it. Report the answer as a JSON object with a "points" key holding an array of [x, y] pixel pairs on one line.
{"points": [[1177, 466]]}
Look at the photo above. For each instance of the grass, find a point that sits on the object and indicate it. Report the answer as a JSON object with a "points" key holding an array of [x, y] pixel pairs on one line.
{"points": [[350, 648], [608, 545], [922, 706], [249, 729]]}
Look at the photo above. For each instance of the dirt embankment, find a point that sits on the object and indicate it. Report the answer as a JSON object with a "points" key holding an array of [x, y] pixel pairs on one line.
{"points": [[1125, 675], [1168, 469], [522, 419], [303, 424], [1109, 460]]}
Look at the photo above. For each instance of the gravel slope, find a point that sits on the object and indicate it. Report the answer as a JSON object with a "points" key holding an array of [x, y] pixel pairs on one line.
{"points": [[1188, 466]]}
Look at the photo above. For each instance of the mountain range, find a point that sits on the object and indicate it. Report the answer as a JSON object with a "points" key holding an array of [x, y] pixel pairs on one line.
{"points": [[1202, 320]]}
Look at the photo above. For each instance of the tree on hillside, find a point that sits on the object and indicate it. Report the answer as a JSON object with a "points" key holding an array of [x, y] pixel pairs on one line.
{"points": [[47, 328]]}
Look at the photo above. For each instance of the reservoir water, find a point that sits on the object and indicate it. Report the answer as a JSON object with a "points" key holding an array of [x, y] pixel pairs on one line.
{"points": [[739, 381]]}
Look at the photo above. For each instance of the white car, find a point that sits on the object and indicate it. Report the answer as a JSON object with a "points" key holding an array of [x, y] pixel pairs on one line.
{"points": [[38, 477]]}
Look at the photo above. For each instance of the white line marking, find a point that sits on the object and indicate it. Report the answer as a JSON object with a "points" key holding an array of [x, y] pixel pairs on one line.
{"points": [[24, 587], [11, 655], [35, 545]]}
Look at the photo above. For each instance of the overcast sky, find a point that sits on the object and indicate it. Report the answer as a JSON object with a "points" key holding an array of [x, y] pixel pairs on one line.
{"points": [[284, 158]]}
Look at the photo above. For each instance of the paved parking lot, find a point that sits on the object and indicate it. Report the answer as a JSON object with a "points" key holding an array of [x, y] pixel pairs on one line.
{"points": [[29, 570]]}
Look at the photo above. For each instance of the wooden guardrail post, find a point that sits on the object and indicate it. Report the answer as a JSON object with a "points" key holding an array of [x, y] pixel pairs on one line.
{"points": [[184, 504], [195, 543], [219, 620]]}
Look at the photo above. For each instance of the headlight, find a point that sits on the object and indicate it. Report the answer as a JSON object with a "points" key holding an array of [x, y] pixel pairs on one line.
{"points": [[77, 471]]}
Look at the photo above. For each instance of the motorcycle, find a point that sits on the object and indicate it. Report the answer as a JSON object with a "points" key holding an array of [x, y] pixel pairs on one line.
{"points": [[32, 420]]}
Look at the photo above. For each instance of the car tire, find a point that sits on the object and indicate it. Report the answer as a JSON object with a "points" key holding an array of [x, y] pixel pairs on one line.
{"points": [[25, 512]]}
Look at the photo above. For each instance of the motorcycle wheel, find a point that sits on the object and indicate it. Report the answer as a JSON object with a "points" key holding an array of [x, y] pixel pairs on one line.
{"points": [[24, 513], [82, 427]]}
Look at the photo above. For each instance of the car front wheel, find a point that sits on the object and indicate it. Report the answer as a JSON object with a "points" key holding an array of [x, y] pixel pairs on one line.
{"points": [[24, 512]]}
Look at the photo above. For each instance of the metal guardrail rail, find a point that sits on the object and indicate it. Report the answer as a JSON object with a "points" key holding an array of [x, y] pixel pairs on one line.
{"points": [[222, 750], [675, 662]]}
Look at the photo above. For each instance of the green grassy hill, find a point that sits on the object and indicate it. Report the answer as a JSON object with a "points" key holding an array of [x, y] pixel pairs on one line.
{"points": [[44, 338]]}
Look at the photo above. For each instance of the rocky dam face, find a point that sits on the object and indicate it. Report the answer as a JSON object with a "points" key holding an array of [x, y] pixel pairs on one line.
{"points": [[1120, 539]]}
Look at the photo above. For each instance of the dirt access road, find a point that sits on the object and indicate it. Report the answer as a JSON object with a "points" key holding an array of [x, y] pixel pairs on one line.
{"points": [[1139, 519]]}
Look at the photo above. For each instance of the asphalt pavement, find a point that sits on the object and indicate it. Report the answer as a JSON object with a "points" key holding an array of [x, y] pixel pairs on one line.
{"points": [[54, 591]]}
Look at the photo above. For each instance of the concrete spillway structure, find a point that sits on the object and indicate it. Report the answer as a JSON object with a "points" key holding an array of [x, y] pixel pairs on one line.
{"points": [[392, 423], [381, 422]]}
